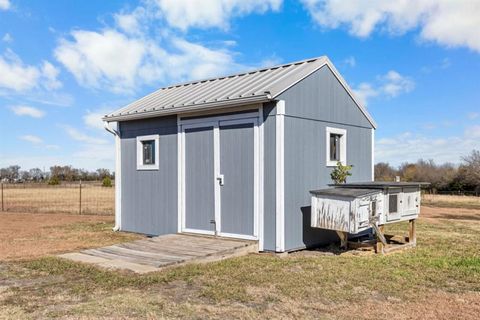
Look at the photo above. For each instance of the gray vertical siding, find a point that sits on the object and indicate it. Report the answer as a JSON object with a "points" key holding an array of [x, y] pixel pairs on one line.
{"points": [[236, 164], [269, 201], [313, 104], [149, 198], [199, 179]]}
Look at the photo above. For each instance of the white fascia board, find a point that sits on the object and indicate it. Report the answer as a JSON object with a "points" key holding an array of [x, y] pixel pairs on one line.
{"points": [[189, 108]]}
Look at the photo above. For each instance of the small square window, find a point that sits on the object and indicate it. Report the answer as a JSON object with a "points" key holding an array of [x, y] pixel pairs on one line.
{"points": [[147, 152], [336, 146]]}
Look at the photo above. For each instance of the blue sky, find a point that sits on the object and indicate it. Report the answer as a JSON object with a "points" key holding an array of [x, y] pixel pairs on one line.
{"points": [[63, 64]]}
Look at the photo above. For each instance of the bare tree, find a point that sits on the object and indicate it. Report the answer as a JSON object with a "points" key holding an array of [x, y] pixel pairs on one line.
{"points": [[471, 169], [384, 172], [36, 174]]}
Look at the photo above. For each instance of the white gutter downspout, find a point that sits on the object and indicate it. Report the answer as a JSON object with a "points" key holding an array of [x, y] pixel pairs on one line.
{"points": [[118, 176]]}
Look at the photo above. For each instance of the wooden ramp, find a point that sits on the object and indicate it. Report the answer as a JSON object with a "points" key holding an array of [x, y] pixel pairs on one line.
{"points": [[152, 254]]}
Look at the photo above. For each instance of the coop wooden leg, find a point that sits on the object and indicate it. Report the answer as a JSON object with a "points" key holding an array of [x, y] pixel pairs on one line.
{"points": [[412, 231], [381, 241], [343, 239]]}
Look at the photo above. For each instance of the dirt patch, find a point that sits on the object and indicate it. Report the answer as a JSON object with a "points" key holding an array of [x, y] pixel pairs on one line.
{"points": [[439, 305], [27, 235], [450, 213]]}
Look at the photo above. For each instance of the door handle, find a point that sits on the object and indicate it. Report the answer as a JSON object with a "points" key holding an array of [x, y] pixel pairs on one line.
{"points": [[221, 179]]}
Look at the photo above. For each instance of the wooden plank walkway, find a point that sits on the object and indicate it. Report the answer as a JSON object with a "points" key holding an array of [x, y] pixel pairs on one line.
{"points": [[152, 254]]}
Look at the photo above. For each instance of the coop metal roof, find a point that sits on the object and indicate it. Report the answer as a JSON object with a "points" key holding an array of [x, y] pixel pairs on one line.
{"points": [[345, 192], [381, 184], [255, 86]]}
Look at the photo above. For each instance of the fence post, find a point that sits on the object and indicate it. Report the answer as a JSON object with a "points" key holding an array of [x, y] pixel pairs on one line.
{"points": [[2, 197], [80, 202]]}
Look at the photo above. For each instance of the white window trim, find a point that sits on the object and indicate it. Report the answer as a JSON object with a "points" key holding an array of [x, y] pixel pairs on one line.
{"points": [[140, 165], [343, 146]]}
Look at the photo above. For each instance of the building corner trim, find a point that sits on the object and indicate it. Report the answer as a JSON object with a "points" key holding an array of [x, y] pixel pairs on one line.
{"points": [[373, 154], [118, 175], [280, 176]]}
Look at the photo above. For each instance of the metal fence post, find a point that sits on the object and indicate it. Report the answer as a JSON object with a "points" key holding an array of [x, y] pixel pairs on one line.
{"points": [[2, 197], [80, 203]]}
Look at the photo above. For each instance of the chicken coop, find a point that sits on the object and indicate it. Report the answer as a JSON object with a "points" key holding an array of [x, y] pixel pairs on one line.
{"points": [[354, 208]]}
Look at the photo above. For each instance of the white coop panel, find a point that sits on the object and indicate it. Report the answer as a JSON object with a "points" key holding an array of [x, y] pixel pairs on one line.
{"points": [[347, 210]]}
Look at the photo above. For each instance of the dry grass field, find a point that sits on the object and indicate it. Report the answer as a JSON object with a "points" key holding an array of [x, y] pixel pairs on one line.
{"points": [[451, 201], [440, 279], [41, 198], [32, 235]]}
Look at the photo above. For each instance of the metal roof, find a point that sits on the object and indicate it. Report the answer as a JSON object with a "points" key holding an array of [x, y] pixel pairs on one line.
{"points": [[344, 192], [256, 86]]}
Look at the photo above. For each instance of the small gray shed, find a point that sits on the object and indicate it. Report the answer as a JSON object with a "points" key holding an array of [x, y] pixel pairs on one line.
{"points": [[236, 156]]}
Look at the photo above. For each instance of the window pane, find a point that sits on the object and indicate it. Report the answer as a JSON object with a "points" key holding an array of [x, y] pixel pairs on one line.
{"points": [[392, 203], [148, 151], [335, 147]]}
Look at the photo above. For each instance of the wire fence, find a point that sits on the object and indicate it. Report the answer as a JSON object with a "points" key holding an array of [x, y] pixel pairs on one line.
{"points": [[72, 198], [453, 193]]}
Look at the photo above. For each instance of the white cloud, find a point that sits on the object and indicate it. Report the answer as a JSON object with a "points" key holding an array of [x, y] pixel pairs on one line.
{"points": [[50, 74], [94, 119], [32, 139], [19, 77], [350, 61], [394, 84], [102, 58], [446, 22], [142, 48], [14, 75], [364, 92], [131, 23], [52, 147], [5, 4], [7, 38], [184, 14], [389, 85], [473, 131], [21, 110], [410, 148], [78, 135], [93, 151], [120, 63], [473, 115]]}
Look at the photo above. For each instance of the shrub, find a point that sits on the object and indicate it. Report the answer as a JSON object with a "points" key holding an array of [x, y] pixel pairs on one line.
{"points": [[340, 173], [107, 182], [54, 181]]}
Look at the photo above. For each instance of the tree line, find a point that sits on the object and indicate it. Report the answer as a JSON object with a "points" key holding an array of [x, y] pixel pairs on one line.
{"points": [[442, 177], [14, 174]]}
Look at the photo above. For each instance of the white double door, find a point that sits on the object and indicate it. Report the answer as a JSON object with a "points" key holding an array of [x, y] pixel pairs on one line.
{"points": [[220, 169]]}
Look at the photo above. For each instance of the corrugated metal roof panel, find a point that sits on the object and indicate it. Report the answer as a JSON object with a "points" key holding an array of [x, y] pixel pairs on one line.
{"points": [[250, 87]]}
